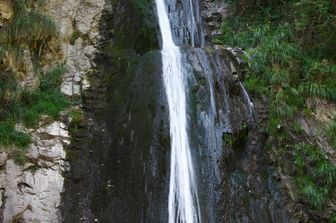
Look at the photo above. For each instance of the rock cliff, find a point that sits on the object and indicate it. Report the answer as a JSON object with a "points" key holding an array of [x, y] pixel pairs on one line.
{"points": [[32, 192]]}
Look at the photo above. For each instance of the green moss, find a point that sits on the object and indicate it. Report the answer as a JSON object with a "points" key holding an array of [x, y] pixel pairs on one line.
{"points": [[76, 117], [236, 140], [141, 32], [228, 139]]}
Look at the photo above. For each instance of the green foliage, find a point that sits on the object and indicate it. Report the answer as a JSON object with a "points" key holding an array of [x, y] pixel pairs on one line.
{"points": [[76, 116], [30, 106], [9, 91], [297, 127], [290, 49], [332, 219], [47, 100], [287, 61], [254, 84], [9, 135], [315, 175], [28, 29], [228, 139], [316, 26], [331, 133]]}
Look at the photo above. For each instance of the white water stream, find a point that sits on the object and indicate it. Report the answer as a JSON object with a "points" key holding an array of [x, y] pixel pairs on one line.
{"points": [[183, 200]]}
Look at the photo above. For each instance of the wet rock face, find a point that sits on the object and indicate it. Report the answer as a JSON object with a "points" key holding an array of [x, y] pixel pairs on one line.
{"points": [[185, 21], [213, 13], [115, 168], [120, 164]]}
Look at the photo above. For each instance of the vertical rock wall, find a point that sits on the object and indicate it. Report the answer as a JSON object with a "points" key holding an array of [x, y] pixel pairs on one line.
{"points": [[32, 192]]}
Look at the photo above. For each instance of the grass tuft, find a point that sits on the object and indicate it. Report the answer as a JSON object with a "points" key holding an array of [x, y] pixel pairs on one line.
{"points": [[30, 106], [316, 175]]}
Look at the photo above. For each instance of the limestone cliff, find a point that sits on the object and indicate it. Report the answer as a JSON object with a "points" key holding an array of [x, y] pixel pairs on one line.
{"points": [[32, 192]]}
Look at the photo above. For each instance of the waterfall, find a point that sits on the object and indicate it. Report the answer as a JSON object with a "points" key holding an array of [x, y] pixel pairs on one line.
{"points": [[183, 200]]}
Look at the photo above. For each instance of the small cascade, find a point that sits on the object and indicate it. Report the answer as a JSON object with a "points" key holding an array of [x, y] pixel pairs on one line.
{"points": [[250, 105], [183, 199]]}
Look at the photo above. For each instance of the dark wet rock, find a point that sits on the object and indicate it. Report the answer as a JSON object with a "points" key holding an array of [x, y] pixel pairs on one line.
{"points": [[213, 14], [120, 162], [237, 62]]}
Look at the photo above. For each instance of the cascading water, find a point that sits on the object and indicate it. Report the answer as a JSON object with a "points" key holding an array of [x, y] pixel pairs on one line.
{"points": [[183, 200], [135, 170]]}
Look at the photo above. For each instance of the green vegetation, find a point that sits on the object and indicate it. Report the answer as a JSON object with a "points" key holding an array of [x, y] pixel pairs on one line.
{"points": [[76, 118], [333, 219], [27, 30], [331, 133], [315, 175], [290, 49], [30, 106]]}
